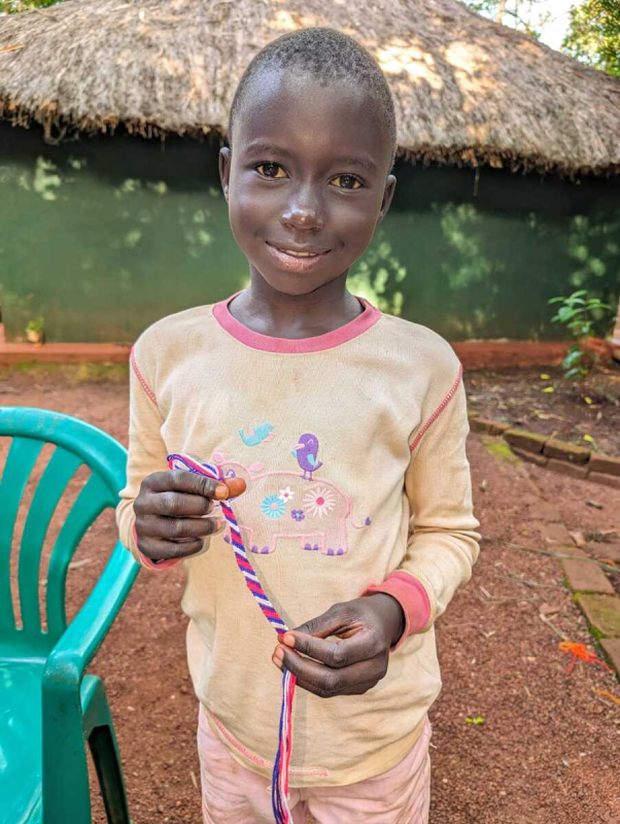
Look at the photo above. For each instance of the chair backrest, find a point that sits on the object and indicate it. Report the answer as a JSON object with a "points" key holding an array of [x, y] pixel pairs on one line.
{"points": [[76, 444]]}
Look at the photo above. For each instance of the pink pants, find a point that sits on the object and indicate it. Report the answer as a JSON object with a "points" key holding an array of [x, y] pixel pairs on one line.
{"points": [[232, 794]]}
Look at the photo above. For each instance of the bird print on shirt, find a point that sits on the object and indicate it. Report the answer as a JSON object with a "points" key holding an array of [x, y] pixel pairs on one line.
{"points": [[254, 436], [306, 452]]}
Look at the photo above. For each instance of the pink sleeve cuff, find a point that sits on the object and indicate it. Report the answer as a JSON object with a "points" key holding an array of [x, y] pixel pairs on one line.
{"points": [[412, 597], [165, 563]]}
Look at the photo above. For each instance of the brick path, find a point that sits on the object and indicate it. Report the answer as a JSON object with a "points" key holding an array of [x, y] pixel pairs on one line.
{"points": [[587, 579]]}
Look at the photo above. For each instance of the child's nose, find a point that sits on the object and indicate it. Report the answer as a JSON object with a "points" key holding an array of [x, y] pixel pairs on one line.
{"points": [[304, 212]]}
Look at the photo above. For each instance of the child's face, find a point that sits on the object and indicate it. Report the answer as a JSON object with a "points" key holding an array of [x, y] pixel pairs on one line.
{"points": [[292, 180]]}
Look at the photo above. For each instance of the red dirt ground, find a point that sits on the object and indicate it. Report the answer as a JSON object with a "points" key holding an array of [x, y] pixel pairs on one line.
{"points": [[546, 750], [539, 399]]}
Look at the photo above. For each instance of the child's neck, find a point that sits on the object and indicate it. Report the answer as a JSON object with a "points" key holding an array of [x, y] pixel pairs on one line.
{"points": [[269, 312]]}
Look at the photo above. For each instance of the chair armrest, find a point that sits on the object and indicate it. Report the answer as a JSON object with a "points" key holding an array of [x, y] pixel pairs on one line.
{"points": [[78, 644]]}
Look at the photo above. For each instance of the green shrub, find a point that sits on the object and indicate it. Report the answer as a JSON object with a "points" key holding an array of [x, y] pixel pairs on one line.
{"points": [[580, 315]]}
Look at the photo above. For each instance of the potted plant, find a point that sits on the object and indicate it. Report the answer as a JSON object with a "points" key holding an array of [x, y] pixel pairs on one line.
{"points": [[34, 330]]}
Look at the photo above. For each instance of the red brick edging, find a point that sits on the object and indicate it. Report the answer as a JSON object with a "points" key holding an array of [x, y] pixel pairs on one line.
{"points": [[483, 354], [561, 456], [13, 353]]}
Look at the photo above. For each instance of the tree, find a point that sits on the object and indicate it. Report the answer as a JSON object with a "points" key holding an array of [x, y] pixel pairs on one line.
{"points": [[594, 34], [11, 6], [524, 15]]}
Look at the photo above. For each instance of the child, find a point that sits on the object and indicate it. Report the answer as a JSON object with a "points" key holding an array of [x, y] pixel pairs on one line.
{"points": [[328, 419]]}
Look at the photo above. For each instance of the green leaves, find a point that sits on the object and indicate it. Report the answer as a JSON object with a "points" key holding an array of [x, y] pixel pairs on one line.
{"points": [[579, 314], [529, 16], [572, 358], [594, 34], [575, 311], [10, 6]]}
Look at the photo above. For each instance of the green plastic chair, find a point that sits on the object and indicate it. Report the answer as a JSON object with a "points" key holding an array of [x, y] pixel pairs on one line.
{"points": [[48, 707]]}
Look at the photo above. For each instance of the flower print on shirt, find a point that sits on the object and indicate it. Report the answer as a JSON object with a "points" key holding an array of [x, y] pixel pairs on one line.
{"points": [[273, 506], [319, 501], [287, 494]]}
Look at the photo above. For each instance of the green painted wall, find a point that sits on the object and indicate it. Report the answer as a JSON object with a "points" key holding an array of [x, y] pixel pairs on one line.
{"points": [[101, 236]]}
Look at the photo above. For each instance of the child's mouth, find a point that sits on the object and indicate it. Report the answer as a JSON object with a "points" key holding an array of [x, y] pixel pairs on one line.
{"points": [[294, 261]]}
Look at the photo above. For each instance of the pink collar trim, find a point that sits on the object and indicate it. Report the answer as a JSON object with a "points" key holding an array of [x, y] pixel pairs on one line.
{"points": [[266, 343]]}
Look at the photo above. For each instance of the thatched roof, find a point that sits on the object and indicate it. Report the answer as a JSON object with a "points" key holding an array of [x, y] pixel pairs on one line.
{"points": [[466, 89]]}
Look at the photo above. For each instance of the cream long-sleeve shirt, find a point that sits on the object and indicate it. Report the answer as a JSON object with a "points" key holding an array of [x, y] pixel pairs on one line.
{"points": [[337, 436]]}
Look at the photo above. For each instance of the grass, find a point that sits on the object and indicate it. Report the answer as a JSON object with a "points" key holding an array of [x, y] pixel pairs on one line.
{"points": [[499, 449]]}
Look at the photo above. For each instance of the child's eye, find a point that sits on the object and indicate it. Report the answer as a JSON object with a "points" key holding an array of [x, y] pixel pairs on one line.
{"points": [[273, 171], [270, 170], [347, 182]]}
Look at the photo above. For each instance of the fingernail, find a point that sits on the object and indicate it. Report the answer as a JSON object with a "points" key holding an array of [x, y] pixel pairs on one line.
{"points": [[277, 662], [220, 524], [221, 492], [288, 639], [278, 657]]}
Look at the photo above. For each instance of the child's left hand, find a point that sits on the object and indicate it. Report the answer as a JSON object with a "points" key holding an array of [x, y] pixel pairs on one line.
{"points": [[357, 659]]}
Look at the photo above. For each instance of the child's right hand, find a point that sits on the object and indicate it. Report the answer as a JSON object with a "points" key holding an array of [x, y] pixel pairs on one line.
{"points": [[171, 508]]}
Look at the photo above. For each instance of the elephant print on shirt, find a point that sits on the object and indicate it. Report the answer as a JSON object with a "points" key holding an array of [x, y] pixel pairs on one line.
{"points": [[281, 504]]}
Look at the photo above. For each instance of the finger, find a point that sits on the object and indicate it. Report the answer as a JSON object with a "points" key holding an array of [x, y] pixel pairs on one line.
{"points": [[179, 504], [236, 487], [353, 689], [337, 653], [327, 682], [175, 529], [178, 480], [157, 550], [336, 618]]}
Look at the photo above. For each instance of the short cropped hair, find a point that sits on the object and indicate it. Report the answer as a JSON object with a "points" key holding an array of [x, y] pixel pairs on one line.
{"points": [[327, 55]]}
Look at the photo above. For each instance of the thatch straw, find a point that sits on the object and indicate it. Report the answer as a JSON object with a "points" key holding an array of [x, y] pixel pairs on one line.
{"points": [[467, 91]]}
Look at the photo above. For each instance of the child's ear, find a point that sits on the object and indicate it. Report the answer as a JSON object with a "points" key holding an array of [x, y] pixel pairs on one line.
{"points": [[388, 194], [224, 167]]}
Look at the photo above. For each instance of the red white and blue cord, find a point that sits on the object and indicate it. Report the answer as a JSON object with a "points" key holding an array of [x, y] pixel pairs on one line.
{"points": [[279, 777]]}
